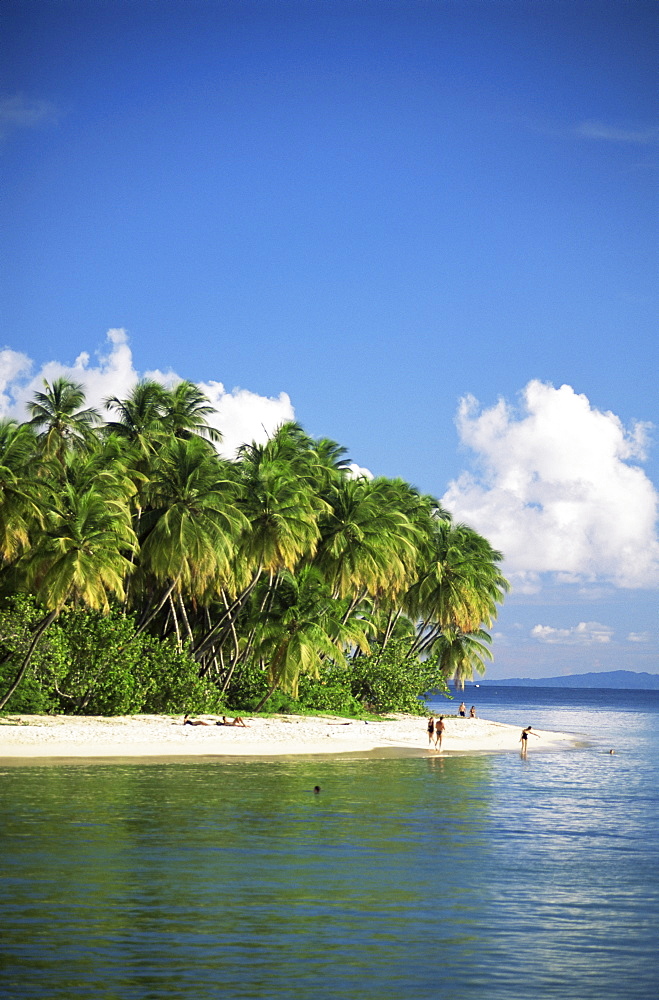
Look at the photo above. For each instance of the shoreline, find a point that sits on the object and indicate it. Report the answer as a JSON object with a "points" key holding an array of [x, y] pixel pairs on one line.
{"points": [[33, 738]]}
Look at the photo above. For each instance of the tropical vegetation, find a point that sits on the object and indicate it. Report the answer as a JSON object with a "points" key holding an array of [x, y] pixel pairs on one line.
{"points": [[142, 571]]}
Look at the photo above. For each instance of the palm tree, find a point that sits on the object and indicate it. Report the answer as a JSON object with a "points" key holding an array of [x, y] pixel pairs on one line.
{"points": [[282, 510], [303, 629], [81, 558], [185, 411], [277, 560], [368, 543], [109, 468], [58, 415], [460, 585], [21, 495], [331, 455], [461, 653], [141, 416], [190, 524]]}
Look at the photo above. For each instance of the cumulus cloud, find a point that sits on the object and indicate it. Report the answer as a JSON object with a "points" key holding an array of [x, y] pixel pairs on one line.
{"points": [[242, 416], [557, 489], [583, 634], [13, 366], [354, 471], [639, 637], [112, 375]]}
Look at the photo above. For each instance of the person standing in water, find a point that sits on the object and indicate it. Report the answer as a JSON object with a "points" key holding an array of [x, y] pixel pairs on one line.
{"points": [[431, 730], [524, 739], [472, 712], [462, 710], [439, 732]]}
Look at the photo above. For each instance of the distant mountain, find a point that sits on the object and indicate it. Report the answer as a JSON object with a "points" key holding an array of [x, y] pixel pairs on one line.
{"points": [[628, 679]]}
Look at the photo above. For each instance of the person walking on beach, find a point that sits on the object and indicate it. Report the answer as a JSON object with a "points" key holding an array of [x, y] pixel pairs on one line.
{"points": [[463, 710], [431, 730], [439, 732], [524, 739]]}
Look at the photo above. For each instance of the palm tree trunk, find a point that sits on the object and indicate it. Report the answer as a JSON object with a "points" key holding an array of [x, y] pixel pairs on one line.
{"points": [[263, 700], [39, 631], [391, 624], [268, 600], [236, 653], [184, 615], [149, 618], [179, 644], [429, 640], [353, 604], [206, 640], [418, 642]]}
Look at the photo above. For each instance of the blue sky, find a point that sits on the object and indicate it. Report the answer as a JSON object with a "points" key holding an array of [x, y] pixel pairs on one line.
{"points": [[362, 214]]}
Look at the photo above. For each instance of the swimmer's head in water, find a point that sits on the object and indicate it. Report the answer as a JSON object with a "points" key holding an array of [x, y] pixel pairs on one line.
{"points": [[316, 789]]}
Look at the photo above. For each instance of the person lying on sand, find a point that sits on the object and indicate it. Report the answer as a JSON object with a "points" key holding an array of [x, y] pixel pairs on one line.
{"points": [[187, 721], [238, 721]]}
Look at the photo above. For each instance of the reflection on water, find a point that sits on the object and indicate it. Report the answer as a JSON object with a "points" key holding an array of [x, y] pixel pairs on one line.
{"points": [[465, 877]]}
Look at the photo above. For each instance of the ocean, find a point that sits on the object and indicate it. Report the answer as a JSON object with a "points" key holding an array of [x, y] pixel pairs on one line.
{"points": [[464, 877]]}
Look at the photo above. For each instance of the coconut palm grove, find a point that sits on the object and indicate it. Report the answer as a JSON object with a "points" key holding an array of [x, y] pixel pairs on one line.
{"points": [[143, 572]]}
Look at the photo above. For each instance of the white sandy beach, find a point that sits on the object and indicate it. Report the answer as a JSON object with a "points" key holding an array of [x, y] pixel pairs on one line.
{"points": [[29, 736]]}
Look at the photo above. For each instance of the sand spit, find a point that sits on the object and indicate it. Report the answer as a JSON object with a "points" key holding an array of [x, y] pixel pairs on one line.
{"points": [[30, 736]]}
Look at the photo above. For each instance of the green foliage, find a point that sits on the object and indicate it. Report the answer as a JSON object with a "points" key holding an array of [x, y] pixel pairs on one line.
{"points": [[387, 680], [247, 688], [390, 680], [238, 580], [330, 693], [98, 664], [18, 617]]}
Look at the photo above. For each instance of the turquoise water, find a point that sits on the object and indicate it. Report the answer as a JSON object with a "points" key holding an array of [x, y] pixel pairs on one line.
{"points": [[483, 876]]}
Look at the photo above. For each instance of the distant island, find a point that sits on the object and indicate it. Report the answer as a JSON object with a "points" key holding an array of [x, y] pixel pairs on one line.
{"points": [[628, 679]]}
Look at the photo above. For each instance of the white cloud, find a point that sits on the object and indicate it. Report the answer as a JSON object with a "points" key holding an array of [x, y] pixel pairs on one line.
{"points": [[556, 490], [19, 111], [583, 634], [354, 471], [242, 416], [612, 133], [639, 637], [113, 375], [13, 366]]}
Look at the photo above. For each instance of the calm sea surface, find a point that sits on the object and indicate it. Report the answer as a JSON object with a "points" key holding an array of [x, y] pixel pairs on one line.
{"points": [[472, 877]]}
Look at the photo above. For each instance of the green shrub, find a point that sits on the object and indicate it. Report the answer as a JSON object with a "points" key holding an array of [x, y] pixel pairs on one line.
{"points": [[331, 693], [390, 680], [96, 664], [18, 618]]}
